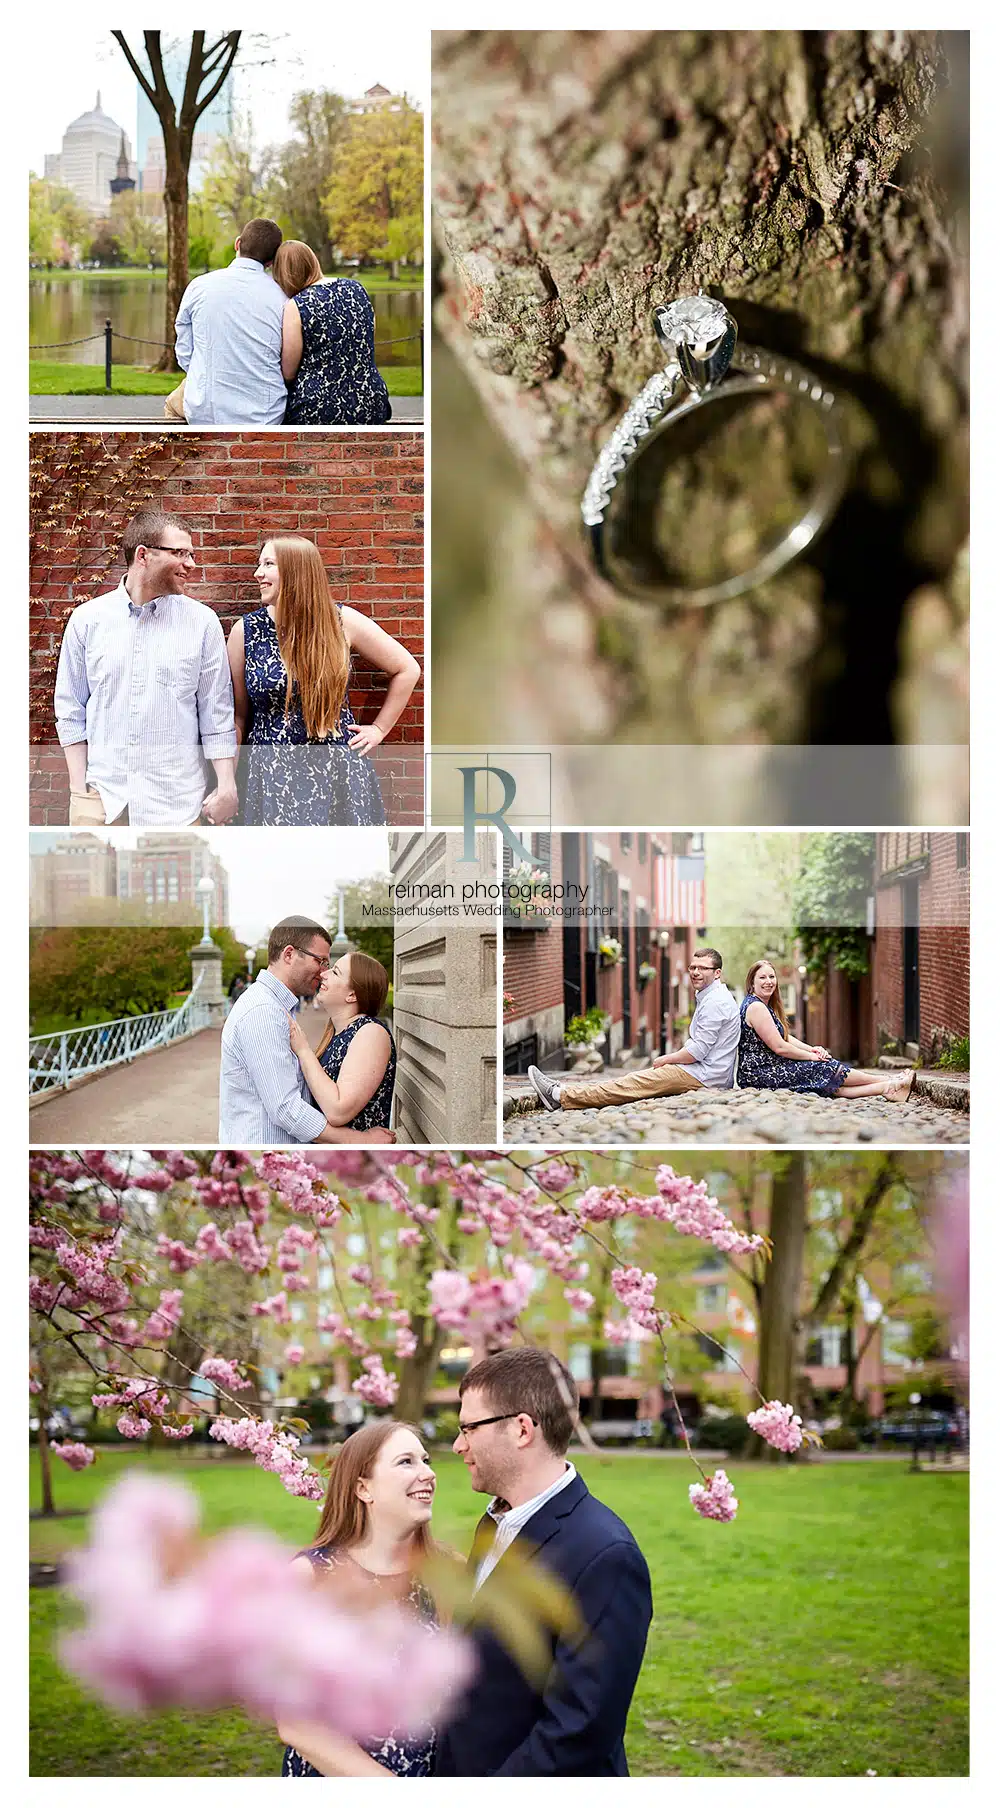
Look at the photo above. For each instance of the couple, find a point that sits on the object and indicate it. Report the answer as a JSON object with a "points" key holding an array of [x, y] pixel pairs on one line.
{"points": [[268, 341], [272, 1087], [750, 1040], [145, 694], [517, 1413]]}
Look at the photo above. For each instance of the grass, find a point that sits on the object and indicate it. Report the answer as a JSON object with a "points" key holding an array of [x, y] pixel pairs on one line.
{"points": [[376, 281], [131, 379], [823, 1633]]}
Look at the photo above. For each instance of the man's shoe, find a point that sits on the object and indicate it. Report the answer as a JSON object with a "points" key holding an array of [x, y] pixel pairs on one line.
{"points": [[544, 1088]]}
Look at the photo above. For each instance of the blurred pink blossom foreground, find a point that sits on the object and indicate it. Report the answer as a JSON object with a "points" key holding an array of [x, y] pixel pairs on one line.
{"points": [[174, 1621]]}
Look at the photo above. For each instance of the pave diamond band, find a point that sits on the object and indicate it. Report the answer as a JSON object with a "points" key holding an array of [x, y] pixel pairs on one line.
{"points": [[699, 337]]}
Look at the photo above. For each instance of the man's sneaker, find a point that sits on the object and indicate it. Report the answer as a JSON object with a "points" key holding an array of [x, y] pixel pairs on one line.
{"points": [[548, 1093]]}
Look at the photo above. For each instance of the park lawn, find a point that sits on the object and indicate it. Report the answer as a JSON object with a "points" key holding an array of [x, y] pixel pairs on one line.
{"points": [[823, 1633], [131, 379]]}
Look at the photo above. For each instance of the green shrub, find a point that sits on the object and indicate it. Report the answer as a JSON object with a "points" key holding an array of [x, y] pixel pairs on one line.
{"points": [[843, 1437], [955, 1054], [445, 1426], [729, 1434]]}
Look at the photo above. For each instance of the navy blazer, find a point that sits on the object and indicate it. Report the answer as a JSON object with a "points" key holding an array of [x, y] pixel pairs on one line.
{"points": [[575, 1725]]}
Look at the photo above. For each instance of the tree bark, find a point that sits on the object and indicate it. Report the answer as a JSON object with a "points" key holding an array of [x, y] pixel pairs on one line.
{"points": [[45, 1465], [781, 1291], [578, 178]]}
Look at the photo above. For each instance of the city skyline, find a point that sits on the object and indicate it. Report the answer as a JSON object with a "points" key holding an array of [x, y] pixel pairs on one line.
{"points": [[262, 891], [348, 59]]}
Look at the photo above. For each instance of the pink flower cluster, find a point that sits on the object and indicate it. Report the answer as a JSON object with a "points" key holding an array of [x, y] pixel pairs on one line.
{"points": [[375, 1386], [300, 1186], [777, 1424], [163, 1321], [338, 1328], [635, 1290], [224, 1373], [143, 1401], [276, 1307], [76, 1455], [693, 1213], [489, 1303], [555, 1176], [578, 1298], [177, 1622], [178, 1256], [717, 1500], [294, 1353], [272, 1449]]}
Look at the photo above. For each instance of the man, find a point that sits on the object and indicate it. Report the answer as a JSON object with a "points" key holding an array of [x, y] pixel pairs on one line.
{"points": [[263, 1096], [228, 338], [708, 1057], [144, 694], [516, 1416]]}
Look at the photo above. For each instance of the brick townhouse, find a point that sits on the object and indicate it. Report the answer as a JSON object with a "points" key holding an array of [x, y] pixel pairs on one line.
{"points": [[650, 891], [358, 496], [920, 970]]}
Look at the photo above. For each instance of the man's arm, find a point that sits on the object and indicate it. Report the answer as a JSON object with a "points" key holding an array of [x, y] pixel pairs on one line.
{"points": [[217, 724], [184, 331], [71, 698], [586, 1703], [274, 1073]]}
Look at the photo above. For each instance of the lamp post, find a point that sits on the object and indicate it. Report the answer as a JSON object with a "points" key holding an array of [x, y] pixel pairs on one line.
{"points": [[251, 954], [340, 941], [205, 889]]}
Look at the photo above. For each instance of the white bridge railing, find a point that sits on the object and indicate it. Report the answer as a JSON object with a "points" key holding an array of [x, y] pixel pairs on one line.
{"points": [[54, 1061]]}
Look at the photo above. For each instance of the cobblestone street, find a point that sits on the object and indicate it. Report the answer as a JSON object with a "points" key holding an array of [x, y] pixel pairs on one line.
{"points": [[745, 1116]]}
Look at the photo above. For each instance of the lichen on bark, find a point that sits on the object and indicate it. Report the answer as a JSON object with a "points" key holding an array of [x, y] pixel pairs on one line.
{"points": [[805, 178]]}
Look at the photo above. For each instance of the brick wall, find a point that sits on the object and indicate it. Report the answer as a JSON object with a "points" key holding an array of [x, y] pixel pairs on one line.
{"points": [[943, 953], [533, 960], [359, 496]]}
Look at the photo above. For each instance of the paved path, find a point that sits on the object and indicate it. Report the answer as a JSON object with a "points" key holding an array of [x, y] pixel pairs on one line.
{"points": [[171, 1096], [147, 411], [744, 1116]]}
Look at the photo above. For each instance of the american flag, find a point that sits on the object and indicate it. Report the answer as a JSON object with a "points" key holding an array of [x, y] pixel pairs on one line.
{"points": [[679, 890]]}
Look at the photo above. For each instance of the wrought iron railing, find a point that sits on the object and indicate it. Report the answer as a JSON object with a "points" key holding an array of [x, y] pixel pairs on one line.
{"points": [[57, 1059]]}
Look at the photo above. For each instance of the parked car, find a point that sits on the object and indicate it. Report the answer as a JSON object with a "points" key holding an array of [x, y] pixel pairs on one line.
{"points": [[918, 1427]]}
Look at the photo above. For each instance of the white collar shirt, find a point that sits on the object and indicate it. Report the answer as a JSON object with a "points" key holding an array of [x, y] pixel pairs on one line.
{"points": [[149, 690], [713, 1037], [228, 337], [512, 1520], [263, 1096]]}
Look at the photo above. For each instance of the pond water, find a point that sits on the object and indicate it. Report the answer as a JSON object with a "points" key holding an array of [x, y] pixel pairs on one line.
{"points": [[75, 307]]}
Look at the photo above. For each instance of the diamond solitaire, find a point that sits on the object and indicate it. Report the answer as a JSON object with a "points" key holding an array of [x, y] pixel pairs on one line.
{"points": [[698, 335]]}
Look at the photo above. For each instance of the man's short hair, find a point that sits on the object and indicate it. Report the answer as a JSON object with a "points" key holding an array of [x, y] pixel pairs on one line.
{"points": [[711, 954], [533, 1382], [260, 239], [147, 529], [294, 932]]}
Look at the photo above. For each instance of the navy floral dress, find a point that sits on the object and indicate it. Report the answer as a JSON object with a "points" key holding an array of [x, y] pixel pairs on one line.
{"points": [[337, 383], [405, 1757], [374, 1115], [290, 781], [758, 1065]]}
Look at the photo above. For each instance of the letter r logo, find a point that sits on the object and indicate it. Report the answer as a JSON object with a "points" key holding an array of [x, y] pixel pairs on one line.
{"points": [[472, 815]]}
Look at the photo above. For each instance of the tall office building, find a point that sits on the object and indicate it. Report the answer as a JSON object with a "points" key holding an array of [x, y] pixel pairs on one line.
{"points": [[165, 868], [95, 153], [215, 123]]}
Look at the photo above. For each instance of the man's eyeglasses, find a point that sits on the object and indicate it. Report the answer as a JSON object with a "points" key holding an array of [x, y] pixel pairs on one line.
{"points": [[322, 961], [497, 1419], [178, 552]]}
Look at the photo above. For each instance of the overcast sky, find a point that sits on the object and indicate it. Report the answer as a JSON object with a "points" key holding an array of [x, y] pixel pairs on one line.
{"points": [[349, 54], [275, 873]]}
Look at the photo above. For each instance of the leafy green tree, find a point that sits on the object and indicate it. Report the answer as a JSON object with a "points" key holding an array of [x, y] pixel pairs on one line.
{"points": [[106, 247], [303, 169], [835, 879], [377, 177], [235, 180], [372, 934], [141, 235], [116, 970]]}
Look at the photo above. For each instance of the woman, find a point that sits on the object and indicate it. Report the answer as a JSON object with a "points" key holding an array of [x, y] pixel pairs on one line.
{"points": [[290, 659], [352, 1073], [771, 1057], [372, 1537], [327, 346]]}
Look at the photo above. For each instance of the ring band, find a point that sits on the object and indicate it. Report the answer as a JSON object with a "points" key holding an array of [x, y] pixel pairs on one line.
{"points": [[699, 336]]}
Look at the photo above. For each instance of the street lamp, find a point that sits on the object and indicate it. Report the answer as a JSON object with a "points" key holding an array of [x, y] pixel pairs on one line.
{"points": [[251, 954], [340, 939], [206, 891]]}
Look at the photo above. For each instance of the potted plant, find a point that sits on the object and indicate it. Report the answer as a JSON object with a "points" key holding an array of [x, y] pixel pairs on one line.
{"points": [[646, 972], [610, 950], [520, 887]]}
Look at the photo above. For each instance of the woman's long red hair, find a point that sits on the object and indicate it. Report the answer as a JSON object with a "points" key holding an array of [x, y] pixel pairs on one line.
{"points": [[775, 999], [311, 637], [342, 1521]]}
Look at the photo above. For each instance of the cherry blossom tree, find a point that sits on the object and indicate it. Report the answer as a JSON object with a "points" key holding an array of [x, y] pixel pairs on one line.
{"points": [[107, 1230]]}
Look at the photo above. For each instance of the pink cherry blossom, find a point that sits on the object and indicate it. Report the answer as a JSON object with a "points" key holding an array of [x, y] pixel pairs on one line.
{"points": [[578, 1298], [777, 1424], [716, 1500], [76, 1455], [375, 1386], [224, 1373], [294, 1353]]}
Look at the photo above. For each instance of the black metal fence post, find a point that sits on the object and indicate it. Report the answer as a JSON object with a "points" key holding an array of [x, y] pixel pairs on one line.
{"points": [[107, 354], [422, 378]]}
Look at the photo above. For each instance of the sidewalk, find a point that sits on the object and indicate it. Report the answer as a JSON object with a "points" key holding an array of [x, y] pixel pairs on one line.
{"points": [[171, 1096], [147, 411]]}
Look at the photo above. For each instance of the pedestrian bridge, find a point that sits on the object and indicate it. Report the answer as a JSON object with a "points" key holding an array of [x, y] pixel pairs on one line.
{"points": [[169, 1095]]}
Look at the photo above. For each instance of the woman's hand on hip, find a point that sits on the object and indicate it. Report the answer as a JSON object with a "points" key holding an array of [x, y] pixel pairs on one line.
{"points": [[366, 739]]}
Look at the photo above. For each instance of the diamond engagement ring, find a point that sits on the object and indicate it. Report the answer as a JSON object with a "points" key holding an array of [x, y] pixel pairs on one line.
{"points": [[699, 335]]}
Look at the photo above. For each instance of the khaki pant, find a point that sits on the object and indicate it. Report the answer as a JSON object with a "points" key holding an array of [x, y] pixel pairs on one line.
{"points": [[86, 812], [649, 1083], [173, 404]]}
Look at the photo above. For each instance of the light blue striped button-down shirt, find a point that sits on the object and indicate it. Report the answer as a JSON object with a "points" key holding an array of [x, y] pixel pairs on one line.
{"points": [[228, 332], [263, 1096], [149, 690], [714, 1036]]}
